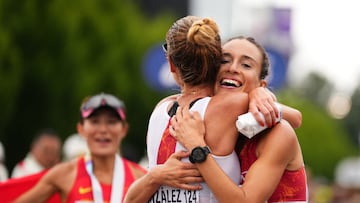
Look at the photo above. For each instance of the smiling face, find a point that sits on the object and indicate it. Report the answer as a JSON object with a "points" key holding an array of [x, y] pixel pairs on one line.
{"points": [[103, 131], [240, 68]]}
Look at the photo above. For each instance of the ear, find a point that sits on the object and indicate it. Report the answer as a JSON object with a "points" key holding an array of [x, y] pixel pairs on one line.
{"points": [[125, 128], [263, 83], [172, 66], [80, 129]]}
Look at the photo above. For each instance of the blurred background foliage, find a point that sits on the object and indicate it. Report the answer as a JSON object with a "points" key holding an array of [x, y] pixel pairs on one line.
{"points": [[53, 53], [324, 140]]}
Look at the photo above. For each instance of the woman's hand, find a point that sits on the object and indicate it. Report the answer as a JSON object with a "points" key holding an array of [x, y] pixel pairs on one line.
{"points": [[177, 174], [262, 101], [188, 128]]}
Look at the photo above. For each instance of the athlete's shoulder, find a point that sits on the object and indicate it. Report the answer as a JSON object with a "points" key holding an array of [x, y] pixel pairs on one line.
{"points": [[282, 136], [63, 168], [137, 170], [230, 99], [168, 98]]}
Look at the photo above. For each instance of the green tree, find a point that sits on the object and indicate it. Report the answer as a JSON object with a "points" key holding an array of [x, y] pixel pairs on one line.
{"points": [[54, 53], [317, 88], [352, 120], [324, 140]]}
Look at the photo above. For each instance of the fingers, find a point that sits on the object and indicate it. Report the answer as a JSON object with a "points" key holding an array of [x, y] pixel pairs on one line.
{"points": [[173, 126], [193, 179], [175, 122], [196, 115], [189, 183], [256, 113], [272, 102], [187, 128], [263, 102], [272, 95], [189, 174], [276, 109], [179, 155], [179, 174], [269, 114], [187, 186], [185, 112]]}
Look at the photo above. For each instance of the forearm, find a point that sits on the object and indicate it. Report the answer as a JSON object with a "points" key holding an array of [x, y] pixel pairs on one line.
{"points": [[36, 194], [224, 189], [142, 189], [263, 101], [293, 116]]}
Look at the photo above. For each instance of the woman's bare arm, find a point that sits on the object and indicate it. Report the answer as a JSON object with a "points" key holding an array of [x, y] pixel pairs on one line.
{"points": [[293, 116], [173, 173], [262, 101], [270, 166], [42, 191]]}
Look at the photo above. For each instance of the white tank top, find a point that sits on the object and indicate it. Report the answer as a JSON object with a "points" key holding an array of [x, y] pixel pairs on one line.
{"points": [[157, 124]]}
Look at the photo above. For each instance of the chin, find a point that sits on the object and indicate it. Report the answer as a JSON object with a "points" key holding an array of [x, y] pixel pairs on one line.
{"points": [[224, 89], [103, 153]]}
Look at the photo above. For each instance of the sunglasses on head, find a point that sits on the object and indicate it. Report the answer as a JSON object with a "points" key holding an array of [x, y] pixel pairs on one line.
{"points": [[103, 99], [164, 46]]}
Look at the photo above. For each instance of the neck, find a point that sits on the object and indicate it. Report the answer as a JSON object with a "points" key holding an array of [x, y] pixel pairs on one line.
{"points": [[103, 164], [190, 91], [188, 94], [103, 168]]}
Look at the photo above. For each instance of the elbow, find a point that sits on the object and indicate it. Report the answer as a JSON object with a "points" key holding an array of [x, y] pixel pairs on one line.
{"points": [[298, 121]]}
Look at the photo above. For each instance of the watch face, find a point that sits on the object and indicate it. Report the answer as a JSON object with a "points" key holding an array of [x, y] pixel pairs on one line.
{"points": [[198, 154]]}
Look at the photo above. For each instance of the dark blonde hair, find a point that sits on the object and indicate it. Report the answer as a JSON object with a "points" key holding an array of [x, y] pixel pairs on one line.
{"points": [[194, 47]]}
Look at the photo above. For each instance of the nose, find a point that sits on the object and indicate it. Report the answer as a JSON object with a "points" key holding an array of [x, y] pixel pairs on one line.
{"points": [[233, 67], [102, 126]]}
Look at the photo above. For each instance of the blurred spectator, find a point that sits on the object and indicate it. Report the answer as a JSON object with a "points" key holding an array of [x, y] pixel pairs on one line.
{"points": [[144, 162], [74, 146], [3, 170], [45, 152], [102, 175], [347, 181]]}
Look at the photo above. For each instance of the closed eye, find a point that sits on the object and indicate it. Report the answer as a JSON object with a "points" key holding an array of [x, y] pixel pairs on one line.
{"points": [[245, 65], [112, 120], [94, 120], [224, 61]]}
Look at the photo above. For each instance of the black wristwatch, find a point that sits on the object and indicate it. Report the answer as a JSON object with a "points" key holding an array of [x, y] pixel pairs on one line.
{"points": [[199, 154]]}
